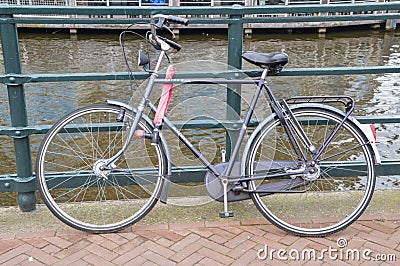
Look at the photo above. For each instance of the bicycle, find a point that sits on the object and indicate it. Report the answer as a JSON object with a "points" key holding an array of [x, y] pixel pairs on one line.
{"points": [[309, 167]]}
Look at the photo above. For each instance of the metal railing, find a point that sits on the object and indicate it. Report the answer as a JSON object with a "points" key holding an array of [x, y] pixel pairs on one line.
{"points": [[23, 181], [198, 3], [180, 2]]}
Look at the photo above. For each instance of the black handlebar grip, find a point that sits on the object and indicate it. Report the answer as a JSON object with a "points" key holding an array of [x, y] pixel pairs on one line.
{"points": [[171, 43], [178, 20]]}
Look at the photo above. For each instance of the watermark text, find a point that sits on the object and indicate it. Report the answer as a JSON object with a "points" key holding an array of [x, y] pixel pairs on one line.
{"points": [[340, 252]]}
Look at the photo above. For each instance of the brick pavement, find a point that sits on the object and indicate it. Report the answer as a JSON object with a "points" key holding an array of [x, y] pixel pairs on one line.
{"points": [[374, 239]]}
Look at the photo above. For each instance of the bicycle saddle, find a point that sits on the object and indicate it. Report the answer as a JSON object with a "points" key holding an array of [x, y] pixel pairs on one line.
{"points": [[274, 61]]}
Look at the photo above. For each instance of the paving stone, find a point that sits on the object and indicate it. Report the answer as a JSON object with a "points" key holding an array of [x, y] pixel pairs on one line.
{"points": [[209, 243]]}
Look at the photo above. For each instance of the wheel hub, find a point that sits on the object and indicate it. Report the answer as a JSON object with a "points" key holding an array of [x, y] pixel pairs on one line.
{"points": [[101, 170], [313, 173]]}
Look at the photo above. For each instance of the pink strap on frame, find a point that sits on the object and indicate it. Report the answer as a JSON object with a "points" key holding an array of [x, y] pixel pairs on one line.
{"points": [[165, 97]]}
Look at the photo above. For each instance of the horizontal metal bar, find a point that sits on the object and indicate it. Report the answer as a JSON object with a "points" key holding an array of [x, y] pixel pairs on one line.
{"points": [[187, 174], [388, 167], [14, 79], [216, 21], [49, 20], [372, 119], [205, 124], [21, 132], [328, 71], [322, 18], [206, 81], [181, 10], [114, 21], [11, 183], [42, 129]]}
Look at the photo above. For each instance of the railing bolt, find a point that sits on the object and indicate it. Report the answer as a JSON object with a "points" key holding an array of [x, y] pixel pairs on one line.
{"points": [[12, 80], [17, 133], [7, 185]]}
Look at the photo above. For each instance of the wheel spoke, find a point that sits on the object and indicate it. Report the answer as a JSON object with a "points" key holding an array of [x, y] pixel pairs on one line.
{"points": [[333, 199], [78, 191]]}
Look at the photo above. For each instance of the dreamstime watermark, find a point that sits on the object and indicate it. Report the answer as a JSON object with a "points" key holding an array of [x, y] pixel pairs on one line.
{"points": [[341, 252]]}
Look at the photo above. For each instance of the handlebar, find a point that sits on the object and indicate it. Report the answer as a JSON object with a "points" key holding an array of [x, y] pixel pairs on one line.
{"points": [[164, 20], [163, 23], [178, 20]]}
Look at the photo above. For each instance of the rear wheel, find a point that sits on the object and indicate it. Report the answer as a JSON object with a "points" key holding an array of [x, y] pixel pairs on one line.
{"points": [[329, 199], [73, 182]]}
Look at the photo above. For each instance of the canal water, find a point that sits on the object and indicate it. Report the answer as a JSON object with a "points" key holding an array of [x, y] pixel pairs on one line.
{"points": [[57, 52]]}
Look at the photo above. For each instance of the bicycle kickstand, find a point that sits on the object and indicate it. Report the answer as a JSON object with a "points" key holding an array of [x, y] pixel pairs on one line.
{"points": [[225, 213]]}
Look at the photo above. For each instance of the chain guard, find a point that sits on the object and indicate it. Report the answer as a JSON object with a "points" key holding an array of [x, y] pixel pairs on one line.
{"points": [[214, 185], [216, 191]]}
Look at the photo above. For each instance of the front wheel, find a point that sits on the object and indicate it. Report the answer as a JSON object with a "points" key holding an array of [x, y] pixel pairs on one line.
{"points": [[318, 203], [77, 188]]}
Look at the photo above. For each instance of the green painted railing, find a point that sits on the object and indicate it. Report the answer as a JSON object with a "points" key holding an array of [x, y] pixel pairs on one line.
{"points": [[23, 180]]}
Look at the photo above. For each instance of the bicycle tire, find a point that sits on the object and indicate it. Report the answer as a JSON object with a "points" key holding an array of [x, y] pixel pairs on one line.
{"points": [[69, 178], [326, 203]]}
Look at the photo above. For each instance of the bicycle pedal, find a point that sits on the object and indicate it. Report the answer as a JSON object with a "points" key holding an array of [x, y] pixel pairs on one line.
{"points": [[142, 134], [120, 115], [225, 214], [237, 188]]}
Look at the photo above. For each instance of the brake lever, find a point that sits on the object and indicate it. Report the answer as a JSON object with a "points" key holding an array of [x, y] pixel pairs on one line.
{"points": [[161, 21], [170, 31]]}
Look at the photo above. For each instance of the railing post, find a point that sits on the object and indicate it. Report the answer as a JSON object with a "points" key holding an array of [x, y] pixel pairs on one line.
{"points": [[235, 44], [16, 98]]}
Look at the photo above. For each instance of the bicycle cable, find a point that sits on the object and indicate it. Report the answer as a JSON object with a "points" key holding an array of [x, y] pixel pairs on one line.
{"points": [[124, 55], [122, 45]]}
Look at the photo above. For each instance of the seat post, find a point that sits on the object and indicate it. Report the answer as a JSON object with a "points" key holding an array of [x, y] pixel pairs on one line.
{"points": [[265, 73]]}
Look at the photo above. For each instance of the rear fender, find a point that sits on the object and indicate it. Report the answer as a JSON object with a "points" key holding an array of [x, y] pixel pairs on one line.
{"points": [[366, 129], [369, 131]]}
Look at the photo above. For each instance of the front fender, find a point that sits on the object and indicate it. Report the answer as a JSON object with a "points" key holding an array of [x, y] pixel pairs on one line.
{"points": [[364, 128], [164, 191]]}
